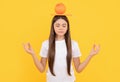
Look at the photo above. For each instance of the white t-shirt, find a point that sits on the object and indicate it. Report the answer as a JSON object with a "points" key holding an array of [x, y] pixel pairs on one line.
{"points": [[60, 64]]}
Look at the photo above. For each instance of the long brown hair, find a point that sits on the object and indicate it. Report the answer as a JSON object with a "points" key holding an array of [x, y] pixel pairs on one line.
{"points": [[51, 51]]}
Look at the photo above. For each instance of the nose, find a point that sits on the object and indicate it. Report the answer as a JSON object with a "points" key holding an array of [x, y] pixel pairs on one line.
{"points": [[61, 27]]}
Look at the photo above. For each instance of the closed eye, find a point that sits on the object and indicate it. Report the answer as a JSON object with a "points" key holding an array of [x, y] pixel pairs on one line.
{"points": [[57, 25], [64, 25]]}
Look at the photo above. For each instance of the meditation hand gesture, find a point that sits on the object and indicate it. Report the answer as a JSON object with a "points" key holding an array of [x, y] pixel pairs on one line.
{"points": [[95, 50], [28, 48]]}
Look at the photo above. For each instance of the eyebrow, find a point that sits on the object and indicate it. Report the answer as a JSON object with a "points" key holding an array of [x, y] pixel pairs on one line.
{"points": [[64, 24], [57, 24]]}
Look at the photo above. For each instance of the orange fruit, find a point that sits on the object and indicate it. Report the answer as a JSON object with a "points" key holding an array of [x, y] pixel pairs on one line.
{"points": [[60, 8]]}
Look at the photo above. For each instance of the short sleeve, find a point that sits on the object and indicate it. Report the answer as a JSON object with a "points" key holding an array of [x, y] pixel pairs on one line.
{"points": [[76, 50], [44, 49]]}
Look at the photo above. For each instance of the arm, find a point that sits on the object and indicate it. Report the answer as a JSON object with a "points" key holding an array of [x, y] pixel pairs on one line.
{"points": [[80, 66], [39, 64]]}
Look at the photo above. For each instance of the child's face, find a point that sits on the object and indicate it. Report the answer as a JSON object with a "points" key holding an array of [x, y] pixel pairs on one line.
{"points": [[60, 27]]}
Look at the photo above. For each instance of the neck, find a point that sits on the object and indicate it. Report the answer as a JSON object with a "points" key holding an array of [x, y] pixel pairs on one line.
{"points": [[59, 37]]}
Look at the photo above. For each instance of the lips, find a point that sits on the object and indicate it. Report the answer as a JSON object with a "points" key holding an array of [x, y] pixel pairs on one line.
{"points": [[61, 32]]}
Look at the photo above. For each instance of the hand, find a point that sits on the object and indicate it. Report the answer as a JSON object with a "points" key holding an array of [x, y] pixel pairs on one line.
{"points": [[28, 48], [95, 50]]}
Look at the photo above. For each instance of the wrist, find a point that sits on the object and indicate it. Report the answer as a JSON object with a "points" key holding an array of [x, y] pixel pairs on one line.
{"points": [[33, 54], [90, 55]]}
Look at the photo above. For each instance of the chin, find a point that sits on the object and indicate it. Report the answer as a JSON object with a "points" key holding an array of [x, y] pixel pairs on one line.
{"points": [[61, 34]]}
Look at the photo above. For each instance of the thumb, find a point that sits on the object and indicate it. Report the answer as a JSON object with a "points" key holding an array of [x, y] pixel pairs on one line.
{"points": [[29, 44]]}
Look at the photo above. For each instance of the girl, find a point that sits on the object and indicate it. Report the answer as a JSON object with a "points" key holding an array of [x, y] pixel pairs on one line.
{"points": [[60, 50]]}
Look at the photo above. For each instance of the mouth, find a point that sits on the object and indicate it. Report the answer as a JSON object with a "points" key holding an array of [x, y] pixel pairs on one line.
{"points": [[60, 32]]}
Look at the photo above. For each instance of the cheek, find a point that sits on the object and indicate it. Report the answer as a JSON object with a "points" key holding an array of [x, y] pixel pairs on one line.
{"points": [[66, 29], [55, 29]]}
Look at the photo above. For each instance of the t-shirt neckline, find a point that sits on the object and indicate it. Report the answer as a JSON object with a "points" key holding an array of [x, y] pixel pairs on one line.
{"points": [[59, 41]]}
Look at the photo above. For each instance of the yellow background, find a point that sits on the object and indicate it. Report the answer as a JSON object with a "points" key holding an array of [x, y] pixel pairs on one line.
{"points": [[92, 21]]}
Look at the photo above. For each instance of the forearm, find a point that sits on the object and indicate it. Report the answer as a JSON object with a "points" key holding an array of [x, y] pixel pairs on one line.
{"points": [[37, 63], [84, 64]]}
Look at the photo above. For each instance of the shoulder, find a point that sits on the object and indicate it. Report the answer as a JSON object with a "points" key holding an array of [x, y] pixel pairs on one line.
{"points": [[45, 43], [75, 49], [74, 42]]}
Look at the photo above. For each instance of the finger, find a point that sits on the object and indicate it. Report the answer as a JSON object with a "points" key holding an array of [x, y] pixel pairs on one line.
{"points": [[25, 47], [93, 46], [98, 47], [97, 50], [29, 45]]}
